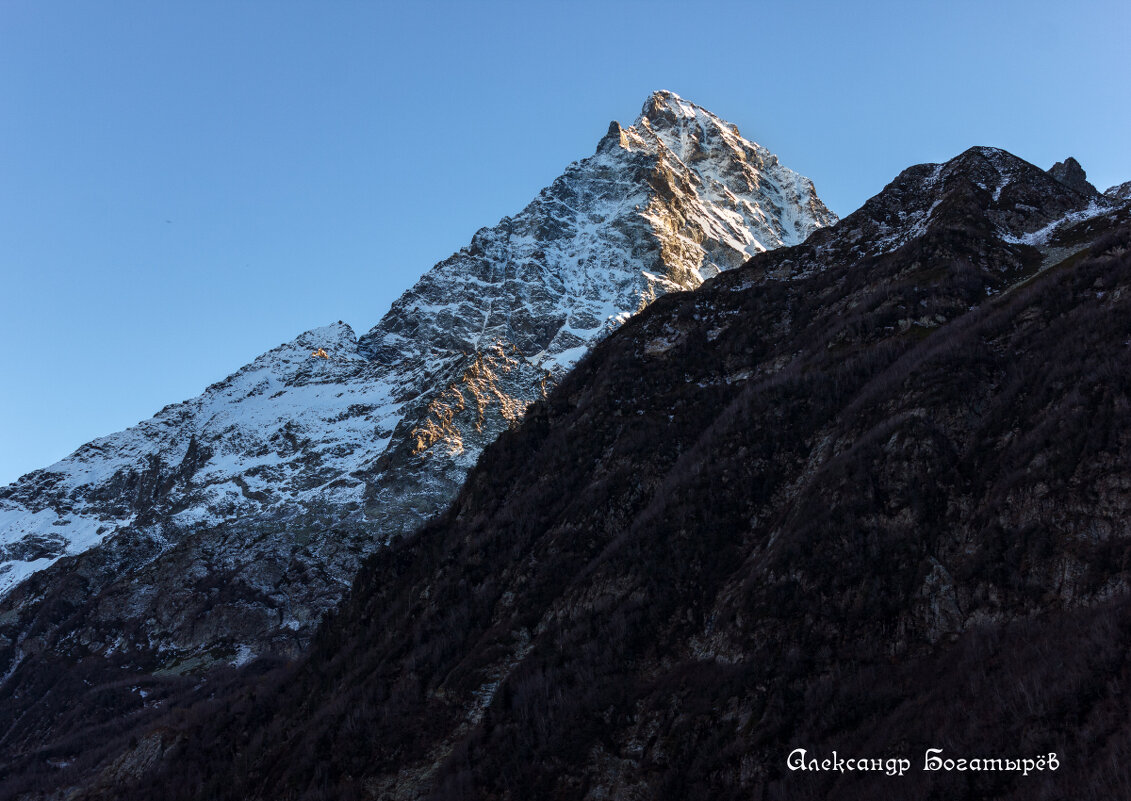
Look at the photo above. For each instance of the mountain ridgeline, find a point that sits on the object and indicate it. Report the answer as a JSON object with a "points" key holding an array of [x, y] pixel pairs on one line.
{"points": [[867, 493], [227, 524], [223, 528]]}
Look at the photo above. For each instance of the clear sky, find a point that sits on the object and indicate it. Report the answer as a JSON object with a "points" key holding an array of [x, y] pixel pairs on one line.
{"points": [[186, 185]]}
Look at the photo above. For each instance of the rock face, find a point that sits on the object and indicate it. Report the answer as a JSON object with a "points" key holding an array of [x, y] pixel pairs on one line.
{"points": [[1071, 174], [226, 525], [868, 494], [1120, 191]]}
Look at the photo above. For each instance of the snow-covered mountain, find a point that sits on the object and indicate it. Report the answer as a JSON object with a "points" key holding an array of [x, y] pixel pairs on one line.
{"points": [[229, 522]]}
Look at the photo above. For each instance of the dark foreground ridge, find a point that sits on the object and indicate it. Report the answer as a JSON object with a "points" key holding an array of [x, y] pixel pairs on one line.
{"points": [[867, 494]]}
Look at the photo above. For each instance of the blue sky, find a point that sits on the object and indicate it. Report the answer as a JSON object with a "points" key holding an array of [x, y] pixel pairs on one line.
{"points": [[186, 185]]}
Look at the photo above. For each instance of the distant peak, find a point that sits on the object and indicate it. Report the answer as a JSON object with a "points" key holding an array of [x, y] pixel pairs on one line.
{"points": [[1071, 174], [338, 335], [662, 97], [982, 163], [1119, 191], [667, 109], [1015, 197], [995, 155]]}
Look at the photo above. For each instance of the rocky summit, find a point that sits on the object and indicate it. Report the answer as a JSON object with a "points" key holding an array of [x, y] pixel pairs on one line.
{"points": [[225, 526], [1070, 173], [1119, 191], [865, 491]]}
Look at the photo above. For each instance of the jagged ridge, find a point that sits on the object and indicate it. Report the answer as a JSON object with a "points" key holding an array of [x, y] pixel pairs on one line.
{"points": [[278, 479]]}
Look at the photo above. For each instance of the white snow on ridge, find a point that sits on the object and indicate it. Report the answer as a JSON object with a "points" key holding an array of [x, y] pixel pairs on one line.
{"points": [[662, 205], [264, 426], [1042, 235]]}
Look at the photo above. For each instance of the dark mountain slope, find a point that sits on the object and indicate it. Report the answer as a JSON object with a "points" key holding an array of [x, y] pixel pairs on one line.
{"points": [[865, 494]]}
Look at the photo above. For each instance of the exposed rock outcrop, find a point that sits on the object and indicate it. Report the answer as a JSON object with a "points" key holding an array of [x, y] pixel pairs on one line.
{"points": [[1071, 174]]}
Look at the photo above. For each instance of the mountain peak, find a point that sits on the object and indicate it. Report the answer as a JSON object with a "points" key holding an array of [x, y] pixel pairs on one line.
{"points": [[663, 100], [338, 334], [1001, 161], [1119, 191], [1071, 174], [1019, 201], [665, 110], [378, 431]]}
